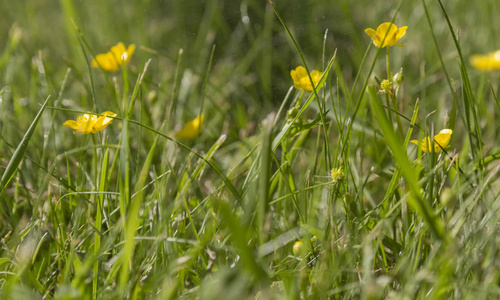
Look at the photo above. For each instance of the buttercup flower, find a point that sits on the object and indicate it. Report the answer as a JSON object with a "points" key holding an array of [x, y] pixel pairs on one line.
{"points": [[392, 32], [337, 174], [443, 139], [112, 60], [301, 80], [89, 123], [487, 62], [191, 129], [299, 249]]}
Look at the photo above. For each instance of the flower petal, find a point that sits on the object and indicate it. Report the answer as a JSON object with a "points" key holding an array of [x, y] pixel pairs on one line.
{"points": [[117, 52], [106, 61], [387, 28], [301, 80], [385, 32], [192, 128], [401, 32], [443, 139], [71, 124], [371, 32], [127, 54], [103, 121]]}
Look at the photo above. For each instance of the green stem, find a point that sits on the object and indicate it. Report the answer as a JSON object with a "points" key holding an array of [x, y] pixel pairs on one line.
{"points": [[97, 237], [387, 64], [393, 96]]}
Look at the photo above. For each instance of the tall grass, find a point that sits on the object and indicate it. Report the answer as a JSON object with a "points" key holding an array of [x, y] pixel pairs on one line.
{"points": [[283, 194]]}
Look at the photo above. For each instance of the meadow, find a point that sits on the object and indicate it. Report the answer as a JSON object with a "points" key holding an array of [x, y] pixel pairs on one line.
{"points": [[249, 149]]}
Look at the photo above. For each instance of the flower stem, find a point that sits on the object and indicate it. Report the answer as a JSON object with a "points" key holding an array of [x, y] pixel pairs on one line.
{"points": [[387, 64], [393, 96]]}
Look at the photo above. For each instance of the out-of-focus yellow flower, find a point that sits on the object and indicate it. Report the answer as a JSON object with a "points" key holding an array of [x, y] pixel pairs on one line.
{"points": [[486, 62], [191, 129], [112, 60], [89, 123], [443, 139], [337, 175], [301, 80], [391, 33], [299, 249]]}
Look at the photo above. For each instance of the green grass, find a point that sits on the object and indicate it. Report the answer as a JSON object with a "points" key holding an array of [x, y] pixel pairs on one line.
{"points": [[131, 212]]}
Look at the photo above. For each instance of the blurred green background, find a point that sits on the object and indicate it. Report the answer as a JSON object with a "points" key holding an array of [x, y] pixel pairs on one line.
{"points": [[253, 55]]}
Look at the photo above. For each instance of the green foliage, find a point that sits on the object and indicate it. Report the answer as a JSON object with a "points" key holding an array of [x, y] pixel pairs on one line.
{"points": [[131, 212]]}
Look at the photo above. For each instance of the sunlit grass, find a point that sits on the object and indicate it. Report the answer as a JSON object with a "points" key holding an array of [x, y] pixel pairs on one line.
{"points": [[248, 150]]}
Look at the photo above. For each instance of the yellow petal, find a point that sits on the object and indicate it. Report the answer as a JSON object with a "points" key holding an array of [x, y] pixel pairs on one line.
{"points": [[423, 144], [385, 32], [86, 123], [103, 121], [387, 28], [71, 124], [487, 62], [118, 51], [480, 62], [298, 76], [401, 32], [192, 128], [295, 75], [443, 139], [371, 32], [106, 61], [301, 80], [126, 56]]}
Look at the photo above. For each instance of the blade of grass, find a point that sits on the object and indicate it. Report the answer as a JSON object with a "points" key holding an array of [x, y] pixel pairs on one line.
{"points": [[468, 97], [98, 221], [396, 146], [315, 89], [16, 159]]}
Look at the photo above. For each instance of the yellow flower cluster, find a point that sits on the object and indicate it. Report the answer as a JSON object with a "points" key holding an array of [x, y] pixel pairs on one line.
{"points": [[486, 62], [89, 123], [112, 60], [440, 141], [302, 81], [388, 33]]}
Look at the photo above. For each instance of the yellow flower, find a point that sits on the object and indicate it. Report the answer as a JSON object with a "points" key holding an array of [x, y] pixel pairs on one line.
{"points": [[192, 128], [443, 139], [301, 80], [112, 60], [89, 123], [299, 249], [337, 174], [487, 62], [388, 30]]}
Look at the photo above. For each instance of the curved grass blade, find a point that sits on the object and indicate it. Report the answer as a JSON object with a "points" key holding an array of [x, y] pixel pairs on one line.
{"points": [[17, 157]]}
